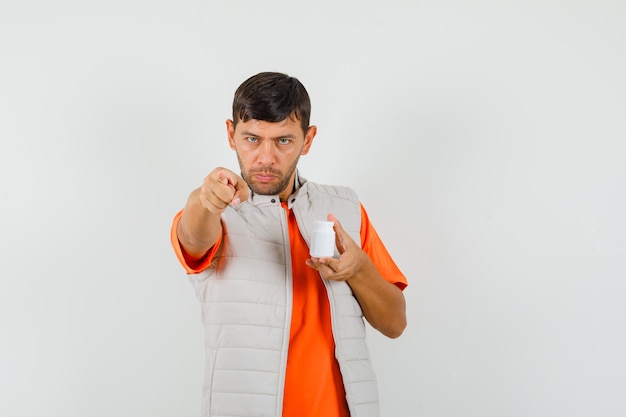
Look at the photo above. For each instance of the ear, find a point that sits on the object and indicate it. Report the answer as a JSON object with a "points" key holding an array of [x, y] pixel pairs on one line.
{"points": [[230, 130], [308, 139]]}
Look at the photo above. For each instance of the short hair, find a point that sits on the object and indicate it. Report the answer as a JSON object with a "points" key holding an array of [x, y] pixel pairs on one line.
{"points": [[272, 97]]}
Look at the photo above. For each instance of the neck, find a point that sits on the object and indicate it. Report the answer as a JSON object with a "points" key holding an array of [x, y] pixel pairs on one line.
{"points": [[295, 184]]}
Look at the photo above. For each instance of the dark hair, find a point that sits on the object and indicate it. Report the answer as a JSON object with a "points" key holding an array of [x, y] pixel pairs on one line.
{"points": [[272, 97]]}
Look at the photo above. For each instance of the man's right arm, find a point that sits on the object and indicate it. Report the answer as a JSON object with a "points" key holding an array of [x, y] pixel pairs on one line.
{"points": [[200, 226]]}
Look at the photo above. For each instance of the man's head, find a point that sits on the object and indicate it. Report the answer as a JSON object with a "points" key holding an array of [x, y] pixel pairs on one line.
{"points": [[270, 130], [272, 97]]}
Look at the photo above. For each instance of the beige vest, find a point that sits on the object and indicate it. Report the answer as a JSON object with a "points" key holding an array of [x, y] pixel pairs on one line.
{"points": [[246, 297]]}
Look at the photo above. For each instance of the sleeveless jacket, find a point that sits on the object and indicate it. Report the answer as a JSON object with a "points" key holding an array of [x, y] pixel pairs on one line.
{"points": [[246, 297]]}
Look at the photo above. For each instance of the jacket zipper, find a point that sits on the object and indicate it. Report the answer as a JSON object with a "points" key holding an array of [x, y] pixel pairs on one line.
{"points": [[284, 225]]}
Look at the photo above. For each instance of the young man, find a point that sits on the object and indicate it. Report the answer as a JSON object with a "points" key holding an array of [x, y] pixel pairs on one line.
{"points": [[284, 332]]}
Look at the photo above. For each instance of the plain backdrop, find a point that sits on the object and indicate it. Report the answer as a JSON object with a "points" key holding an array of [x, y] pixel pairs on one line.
{"points": [[487, 140]]}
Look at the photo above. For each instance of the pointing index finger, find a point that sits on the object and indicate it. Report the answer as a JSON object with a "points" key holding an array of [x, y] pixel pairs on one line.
{"points": [[241, 189]]}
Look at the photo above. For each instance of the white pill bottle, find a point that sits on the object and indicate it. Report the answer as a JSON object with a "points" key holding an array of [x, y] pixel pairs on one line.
{"points": [[322, 240]]}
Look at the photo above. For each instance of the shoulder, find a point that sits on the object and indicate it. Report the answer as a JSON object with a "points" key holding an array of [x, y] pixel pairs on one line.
{"points": [[338, 191]]}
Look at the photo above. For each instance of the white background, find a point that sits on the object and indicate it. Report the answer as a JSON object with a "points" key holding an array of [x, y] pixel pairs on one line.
{"points": [[487, 139]]}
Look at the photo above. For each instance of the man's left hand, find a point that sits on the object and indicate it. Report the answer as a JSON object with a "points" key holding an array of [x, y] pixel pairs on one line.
{"points": [[351, 256]]}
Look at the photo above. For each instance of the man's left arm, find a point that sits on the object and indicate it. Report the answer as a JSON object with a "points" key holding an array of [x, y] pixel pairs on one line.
{"points": [[382, 302]]}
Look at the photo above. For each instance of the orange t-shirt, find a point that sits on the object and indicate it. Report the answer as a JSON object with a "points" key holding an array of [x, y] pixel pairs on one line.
{"points": [[313, 382]]}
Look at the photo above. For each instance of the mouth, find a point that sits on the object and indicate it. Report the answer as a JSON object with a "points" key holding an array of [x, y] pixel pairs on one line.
{"points": [[265, 176]]}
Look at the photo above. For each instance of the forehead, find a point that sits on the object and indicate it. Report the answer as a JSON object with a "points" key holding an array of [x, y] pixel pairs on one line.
{"points": [[288, 126]]}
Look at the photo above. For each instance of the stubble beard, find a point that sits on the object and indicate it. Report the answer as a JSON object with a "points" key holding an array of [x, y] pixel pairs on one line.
{"points": [[268, 189]]}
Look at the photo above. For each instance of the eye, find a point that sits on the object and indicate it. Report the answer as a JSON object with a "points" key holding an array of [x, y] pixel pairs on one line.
{"points": [[284, 141], [252, 139]]}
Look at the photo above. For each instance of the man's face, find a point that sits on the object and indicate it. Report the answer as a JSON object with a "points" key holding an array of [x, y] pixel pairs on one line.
{"points": [[268, 153]]}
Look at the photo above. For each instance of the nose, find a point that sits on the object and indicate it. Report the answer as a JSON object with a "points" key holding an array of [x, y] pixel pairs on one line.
{"points": [[267, 155]]}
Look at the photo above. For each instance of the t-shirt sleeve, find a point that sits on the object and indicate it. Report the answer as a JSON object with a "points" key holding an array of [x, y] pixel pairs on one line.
{"points": [[375, 249], [191, 266]]}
